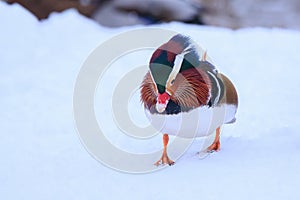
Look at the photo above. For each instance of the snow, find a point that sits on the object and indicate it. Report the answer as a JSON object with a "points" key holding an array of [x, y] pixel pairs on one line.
{"points": [[41, 153]]}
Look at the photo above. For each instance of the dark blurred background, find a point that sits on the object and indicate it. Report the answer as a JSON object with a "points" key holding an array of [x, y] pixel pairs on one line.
{"points": [[226, 13]]}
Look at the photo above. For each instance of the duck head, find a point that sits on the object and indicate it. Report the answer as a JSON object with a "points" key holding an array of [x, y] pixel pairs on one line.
{"points": [[166, 63]]}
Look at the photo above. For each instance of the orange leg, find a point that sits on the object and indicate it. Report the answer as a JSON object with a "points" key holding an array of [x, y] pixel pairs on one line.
{"points": [[215, 146], [164, 158]]}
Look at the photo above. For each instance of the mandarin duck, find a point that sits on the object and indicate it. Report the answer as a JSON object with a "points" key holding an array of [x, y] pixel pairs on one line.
{"points": [[185, 95]]}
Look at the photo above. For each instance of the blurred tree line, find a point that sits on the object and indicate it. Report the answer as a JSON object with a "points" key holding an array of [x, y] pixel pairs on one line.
{"points": [[229, 13]]}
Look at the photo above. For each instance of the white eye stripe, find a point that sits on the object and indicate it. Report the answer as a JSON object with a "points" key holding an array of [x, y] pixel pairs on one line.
{"points": [[176, 68], [177, 63], [155, 87]]}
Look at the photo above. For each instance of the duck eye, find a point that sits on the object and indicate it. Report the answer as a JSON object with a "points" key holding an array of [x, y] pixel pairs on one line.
{"points": [[172, 82]]}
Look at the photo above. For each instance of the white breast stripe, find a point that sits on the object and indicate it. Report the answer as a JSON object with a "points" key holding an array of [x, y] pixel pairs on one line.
{"points": [[218, 85]]}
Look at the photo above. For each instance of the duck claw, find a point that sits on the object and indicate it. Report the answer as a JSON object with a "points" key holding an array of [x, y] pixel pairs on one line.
{"points": [[215, 147], [164, 160]]}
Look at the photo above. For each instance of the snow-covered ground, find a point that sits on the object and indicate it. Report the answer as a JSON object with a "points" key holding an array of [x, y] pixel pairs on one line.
{"points": [[41, 153]]}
